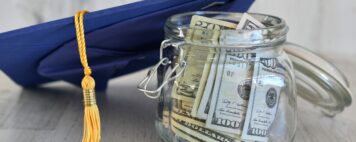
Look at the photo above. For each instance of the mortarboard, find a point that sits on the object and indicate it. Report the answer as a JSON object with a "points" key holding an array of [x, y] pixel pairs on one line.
{"points": [[120, 40]]}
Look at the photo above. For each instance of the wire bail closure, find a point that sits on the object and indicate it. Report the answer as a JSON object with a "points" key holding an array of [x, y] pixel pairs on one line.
{"points": [[164, 61]]}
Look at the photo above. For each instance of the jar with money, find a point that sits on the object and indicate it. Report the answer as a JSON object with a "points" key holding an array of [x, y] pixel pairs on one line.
{"points": [[231, 77]]}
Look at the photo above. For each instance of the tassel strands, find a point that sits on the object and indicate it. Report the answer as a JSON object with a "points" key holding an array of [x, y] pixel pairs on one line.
{"points": [[92, 128]]}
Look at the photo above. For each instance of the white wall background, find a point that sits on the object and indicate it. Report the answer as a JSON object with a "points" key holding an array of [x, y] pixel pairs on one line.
{"points": [[20, 13], [325, 26]]}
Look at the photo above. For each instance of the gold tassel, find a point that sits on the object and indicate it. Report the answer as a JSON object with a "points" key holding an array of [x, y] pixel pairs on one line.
{"points": [[91, 112]]}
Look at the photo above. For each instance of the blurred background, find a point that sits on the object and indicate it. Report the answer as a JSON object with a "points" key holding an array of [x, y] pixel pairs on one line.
{"points": [[326, 27]]}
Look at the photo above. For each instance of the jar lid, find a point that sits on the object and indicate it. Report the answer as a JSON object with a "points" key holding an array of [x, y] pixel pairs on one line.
{"points": [[318, 81]]}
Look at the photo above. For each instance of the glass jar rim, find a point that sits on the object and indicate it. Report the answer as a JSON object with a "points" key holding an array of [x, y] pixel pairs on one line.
{"points": [[177, 27], [281, 24]]}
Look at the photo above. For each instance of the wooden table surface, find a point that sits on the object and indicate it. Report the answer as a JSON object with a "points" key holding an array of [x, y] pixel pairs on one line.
{"points": [[53, 113]]}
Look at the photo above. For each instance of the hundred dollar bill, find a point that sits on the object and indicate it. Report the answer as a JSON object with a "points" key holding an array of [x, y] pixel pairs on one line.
{"points": [[231, 92], [265, 92], [201, 123], [183, 114], [232, 86], [201, 132], [190, 85]]}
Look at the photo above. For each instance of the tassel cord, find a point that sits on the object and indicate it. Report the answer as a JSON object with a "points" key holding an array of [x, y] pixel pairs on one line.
{"points": [[92, 128]]}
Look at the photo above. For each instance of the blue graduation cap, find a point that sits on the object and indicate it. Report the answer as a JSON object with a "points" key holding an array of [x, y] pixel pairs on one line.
{"points": [[119, 40]]}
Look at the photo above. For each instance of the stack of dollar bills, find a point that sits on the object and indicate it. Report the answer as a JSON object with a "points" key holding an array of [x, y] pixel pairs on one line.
{"points": [[230, 99]]}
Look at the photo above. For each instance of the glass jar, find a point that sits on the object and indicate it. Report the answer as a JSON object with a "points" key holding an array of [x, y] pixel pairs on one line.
{"points": [[238, 85]]}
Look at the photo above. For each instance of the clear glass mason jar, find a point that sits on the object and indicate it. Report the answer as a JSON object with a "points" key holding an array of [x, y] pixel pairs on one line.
{"points": [[238, 85]]}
